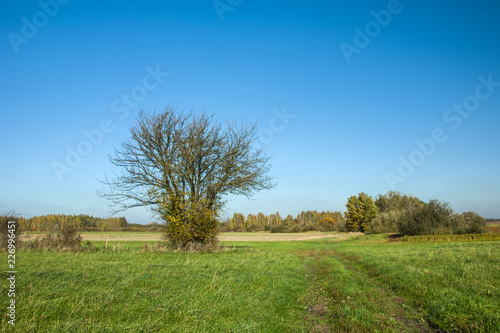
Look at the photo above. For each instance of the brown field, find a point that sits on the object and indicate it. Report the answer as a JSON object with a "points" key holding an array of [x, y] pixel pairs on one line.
{"points": [[494, 227], [224, 237], [269, 237]]}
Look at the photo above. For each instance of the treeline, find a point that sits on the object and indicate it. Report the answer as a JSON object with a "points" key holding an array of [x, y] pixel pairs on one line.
{"points": [[56, 222], [305, 221], [388, 213]]}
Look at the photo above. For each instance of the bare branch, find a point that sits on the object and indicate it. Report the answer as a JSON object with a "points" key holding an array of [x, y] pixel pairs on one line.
{"points": [[185, 157]]}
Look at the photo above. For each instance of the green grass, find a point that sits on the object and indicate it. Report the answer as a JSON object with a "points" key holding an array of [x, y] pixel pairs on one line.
{"points": [[456, 286], [360, 285], [133, 291]]}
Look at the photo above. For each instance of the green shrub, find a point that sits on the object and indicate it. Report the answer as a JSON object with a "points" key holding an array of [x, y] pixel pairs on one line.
{"points": [[310, 227], [437, 218], [188, 225], [386, 222], [341, 226], [432, 219], [295, 228], [279, 229], [474, 223]]}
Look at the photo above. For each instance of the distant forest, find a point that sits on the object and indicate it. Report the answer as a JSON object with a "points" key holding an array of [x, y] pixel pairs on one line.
{"points": [[55, 222], [260, 221]]}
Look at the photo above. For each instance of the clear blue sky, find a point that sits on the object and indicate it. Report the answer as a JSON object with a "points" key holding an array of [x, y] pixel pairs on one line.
{"points": [[364, 80]]}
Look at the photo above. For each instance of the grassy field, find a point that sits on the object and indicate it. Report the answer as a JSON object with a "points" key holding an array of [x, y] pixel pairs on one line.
{"points": [[364, 284]]}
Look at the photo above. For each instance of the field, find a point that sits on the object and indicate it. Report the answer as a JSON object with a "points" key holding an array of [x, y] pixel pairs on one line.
{"points": [[363, 284]]}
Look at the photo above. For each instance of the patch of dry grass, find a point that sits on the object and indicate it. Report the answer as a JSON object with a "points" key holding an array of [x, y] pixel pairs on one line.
{"points": [[224, 237]]}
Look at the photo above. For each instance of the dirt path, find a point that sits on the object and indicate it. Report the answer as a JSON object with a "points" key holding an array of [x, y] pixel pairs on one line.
{"points": [[344, 298]]}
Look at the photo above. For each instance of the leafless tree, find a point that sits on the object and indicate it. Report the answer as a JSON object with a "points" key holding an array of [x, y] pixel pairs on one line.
{"points": [[178, 163]]}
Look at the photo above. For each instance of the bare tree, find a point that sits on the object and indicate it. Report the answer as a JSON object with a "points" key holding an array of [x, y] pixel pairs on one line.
{"points": [[182, 166]]}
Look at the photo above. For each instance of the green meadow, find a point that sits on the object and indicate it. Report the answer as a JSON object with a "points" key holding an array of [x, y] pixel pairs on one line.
{"points": [[363, 284]]}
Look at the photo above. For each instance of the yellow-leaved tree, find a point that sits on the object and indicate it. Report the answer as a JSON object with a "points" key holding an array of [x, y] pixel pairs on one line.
{"points": [[361, 210]]}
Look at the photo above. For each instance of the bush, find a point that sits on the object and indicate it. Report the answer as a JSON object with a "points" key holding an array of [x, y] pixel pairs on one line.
{"points": [[435, 218], [341, 226], [310, 227], [5, 227], [385, 222], [279, 229], [295, 228], [223, 228], [188, 226], [469, 223], [69, 239], [254, 228], [327, 224], [476, 224]]}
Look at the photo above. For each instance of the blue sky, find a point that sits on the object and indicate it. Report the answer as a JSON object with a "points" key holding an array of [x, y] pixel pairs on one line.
{"points": [[377, 95]]}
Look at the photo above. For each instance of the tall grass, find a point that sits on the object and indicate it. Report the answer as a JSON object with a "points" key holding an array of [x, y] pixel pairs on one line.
{"points": [[136, 291]]}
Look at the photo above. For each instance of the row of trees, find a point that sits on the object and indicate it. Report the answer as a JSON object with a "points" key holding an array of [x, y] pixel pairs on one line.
{"points": [[260, 221], [388, 213], [56, 222], [392, 212], [66, 237]]}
